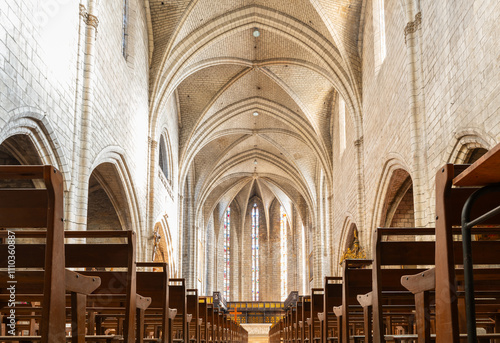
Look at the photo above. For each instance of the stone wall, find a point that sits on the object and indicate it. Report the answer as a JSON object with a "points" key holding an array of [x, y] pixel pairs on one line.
{"points": [[42, 95]]}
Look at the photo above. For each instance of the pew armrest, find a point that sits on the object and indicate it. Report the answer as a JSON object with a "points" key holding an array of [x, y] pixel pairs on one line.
{"points": [[421, 282], [365, 300], [142, 302], [338, 311], [78, 283]]}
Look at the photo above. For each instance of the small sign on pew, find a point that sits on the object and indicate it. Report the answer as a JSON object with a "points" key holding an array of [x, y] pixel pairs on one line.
{"points": [[11, 271]]}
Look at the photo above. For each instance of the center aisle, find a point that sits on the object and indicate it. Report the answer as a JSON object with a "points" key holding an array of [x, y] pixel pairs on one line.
{"points": [[257, 333]]}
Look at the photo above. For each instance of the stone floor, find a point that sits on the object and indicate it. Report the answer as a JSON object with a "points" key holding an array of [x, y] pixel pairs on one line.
{"points": [[257, 333]]}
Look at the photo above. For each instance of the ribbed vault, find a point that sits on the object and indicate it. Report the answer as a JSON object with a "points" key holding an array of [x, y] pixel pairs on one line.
{"points": [[255, 110]]}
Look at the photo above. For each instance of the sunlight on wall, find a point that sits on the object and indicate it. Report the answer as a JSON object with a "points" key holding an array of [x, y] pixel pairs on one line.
{"points": [[57, 21]]}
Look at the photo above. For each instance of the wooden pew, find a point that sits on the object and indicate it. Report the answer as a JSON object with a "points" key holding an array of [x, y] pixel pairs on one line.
{"points": [[306, 318], [192, 303], [30, 288], [154, 284], [332, 298], [396, 254], [290, 319], [178, 301], [211, 322], [116, 287], [355, 280], [317, 311], [39, 208], [299, 323], [449, 204], [203, 310], [294, 325]]}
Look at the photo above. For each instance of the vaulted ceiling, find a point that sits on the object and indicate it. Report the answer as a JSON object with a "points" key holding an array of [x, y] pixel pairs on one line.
{"points": [[208, 54]]}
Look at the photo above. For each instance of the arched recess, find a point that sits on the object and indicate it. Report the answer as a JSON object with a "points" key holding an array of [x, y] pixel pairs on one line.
{"points": [[469, 149], [19, 150], [163, 250], [350, 245], [466, 141], [398, 209], [36, 127], [474, 154], [107, 206], [120, 186], [393, 163], [110, 185]]}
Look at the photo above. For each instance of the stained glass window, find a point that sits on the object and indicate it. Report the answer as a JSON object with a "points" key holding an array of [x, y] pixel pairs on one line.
{"points": [[284, 254], [227, 251], [255, 253]]}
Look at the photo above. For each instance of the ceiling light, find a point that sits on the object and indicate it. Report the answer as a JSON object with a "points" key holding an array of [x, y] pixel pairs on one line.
{"points": [[255, 114], [256, 32]]}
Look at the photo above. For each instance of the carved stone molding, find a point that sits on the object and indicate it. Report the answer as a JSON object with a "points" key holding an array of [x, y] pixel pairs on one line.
{"points": [[358, 142], [89, 19], [92, 20], [83, 11], [413, 26]]}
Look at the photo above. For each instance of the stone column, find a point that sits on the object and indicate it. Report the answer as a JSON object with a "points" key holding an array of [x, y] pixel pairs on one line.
{"points": [[77, 209], [417, 111], [210, 266], [364, 232], [152, 148]]}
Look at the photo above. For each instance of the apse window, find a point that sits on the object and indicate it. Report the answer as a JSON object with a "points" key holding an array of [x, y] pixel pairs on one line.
{"points": [[255, 252], [227, 252], [284, 254]]}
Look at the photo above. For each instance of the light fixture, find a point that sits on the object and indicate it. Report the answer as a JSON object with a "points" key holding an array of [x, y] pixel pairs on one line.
{"points": [[255, 114], [256, 32], [255, 161]]}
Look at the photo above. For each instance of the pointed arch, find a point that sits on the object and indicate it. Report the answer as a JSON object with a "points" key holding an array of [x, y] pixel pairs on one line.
{"points": [[165, 249], [465, 141], [113, 174], [37, 126], [393, 163]]}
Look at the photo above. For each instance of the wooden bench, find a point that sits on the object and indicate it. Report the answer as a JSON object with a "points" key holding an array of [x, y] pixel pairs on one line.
{"points": [[154, 284], [391, 249], [178, 301], [39, 208], [192, 303], [116, 287], [306, 318], [299, 320], [30, 288], [203, 311], [332, 298], [317, 315], [355, 280], [211, 322], [449, 204]]}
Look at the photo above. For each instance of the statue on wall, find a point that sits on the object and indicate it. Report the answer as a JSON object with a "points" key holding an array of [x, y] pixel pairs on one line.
{"points": [[354, 251]]}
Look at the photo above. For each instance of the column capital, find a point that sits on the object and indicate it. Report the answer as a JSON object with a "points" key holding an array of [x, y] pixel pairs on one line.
{"points": [[413, 26]]}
